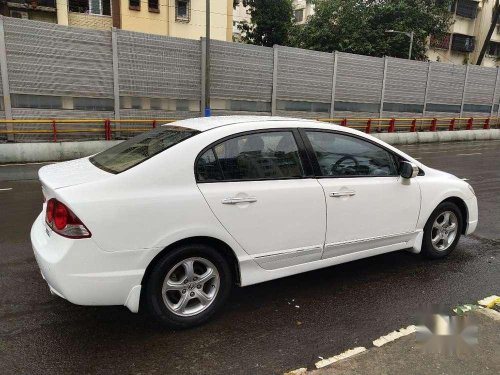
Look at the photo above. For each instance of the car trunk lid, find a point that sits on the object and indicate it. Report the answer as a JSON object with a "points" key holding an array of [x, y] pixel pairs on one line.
{"points": [[69, 173]]}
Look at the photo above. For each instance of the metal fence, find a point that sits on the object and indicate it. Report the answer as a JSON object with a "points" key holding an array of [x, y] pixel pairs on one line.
{"points": [[56, 72], [61, 130]]}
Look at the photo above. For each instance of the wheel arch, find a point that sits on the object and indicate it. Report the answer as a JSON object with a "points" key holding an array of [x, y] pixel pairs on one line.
{"points": [[220, 245], [462, 206]]}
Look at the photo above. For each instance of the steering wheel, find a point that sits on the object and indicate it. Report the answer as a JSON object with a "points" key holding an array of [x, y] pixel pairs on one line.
{"points": [[336, 168]]}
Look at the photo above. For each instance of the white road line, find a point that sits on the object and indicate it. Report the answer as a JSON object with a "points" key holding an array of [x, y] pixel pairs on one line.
{"points": [[394, 336], [346, 354], [474, 153], [5, 189]]}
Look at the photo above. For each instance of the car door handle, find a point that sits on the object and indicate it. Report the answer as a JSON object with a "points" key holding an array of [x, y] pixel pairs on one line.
{"points": [[237, 200], [346, 193]]}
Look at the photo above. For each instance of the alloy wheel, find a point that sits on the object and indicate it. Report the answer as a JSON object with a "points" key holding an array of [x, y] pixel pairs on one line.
{"points": [[444, 230], [190, 286]]}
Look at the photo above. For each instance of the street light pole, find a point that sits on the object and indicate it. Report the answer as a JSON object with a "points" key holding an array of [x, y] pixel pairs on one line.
{"points": [[411, 45], [208, 110], [410, 35]]}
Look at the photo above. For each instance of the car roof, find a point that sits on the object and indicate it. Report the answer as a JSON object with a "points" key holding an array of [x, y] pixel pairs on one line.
{"points": [[206, 123]]}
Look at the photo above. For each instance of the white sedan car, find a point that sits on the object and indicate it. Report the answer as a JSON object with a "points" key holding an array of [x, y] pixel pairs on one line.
{"points": [[171, 219]]}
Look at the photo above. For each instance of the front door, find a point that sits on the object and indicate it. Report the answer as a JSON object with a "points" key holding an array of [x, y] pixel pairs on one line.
{"points": [[368, 204], [256, 186]]}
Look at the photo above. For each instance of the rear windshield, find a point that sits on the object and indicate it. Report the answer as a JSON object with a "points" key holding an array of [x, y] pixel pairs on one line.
{"points": [[140, 148]]}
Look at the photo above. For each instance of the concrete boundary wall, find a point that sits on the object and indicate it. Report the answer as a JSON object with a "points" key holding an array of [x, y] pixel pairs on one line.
{"points": [[39, 152]]}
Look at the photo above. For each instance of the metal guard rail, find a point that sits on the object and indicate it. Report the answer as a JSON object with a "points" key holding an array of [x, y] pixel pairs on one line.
{"points": [[108, 127], [391, 125], [105, 126]]}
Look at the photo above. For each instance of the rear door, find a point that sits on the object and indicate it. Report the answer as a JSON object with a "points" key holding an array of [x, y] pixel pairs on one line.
{"points": [[368, 204], [261, 189]]}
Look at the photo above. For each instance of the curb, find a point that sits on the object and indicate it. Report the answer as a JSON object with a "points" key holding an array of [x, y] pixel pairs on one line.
{"points": [[484, 306]]}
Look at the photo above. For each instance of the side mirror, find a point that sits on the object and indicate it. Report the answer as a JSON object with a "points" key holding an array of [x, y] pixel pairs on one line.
{"points": [[408, 170]]}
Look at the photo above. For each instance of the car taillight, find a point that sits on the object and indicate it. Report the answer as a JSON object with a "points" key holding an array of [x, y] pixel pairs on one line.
{"points": [[50, 211], [63, 221]]}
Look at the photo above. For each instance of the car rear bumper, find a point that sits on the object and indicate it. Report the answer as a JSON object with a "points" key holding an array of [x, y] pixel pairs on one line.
{"points": [[80, 272]]}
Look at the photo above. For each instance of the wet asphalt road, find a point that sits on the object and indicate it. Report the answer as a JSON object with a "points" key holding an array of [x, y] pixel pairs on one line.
{"points": [[265, 329]]}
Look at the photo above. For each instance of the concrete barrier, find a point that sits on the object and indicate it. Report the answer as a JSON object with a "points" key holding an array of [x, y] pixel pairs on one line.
{"points": [[39, 152], [58, 151], [441, 136]]}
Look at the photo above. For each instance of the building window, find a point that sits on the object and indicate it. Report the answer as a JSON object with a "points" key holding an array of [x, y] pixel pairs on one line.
{"points": [[154, 6], [442, 42], [99, 7], [494, 49], [298, 14], [462, 43], [466, 8], [182, 10], [134, 4]]}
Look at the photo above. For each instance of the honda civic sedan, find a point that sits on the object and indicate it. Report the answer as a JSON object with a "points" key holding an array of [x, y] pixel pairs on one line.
{"points": [[172, 219]]}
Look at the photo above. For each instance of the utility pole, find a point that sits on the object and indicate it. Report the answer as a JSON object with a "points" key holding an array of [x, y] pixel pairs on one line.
{"points": [[410, 35], [208, 110], [494, 21]]}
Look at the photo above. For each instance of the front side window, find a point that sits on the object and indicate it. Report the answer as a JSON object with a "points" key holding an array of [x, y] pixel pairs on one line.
{"points": [[258, 156], [345, 156], [140, 148]]}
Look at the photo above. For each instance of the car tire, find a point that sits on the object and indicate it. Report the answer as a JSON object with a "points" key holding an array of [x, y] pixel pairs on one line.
{"points": [[172, 293], [442, 231]]}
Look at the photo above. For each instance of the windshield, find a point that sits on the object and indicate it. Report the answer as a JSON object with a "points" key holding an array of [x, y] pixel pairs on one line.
{"points": [[140, 148]]}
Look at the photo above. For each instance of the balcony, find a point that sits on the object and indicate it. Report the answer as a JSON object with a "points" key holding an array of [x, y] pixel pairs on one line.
{"points": [[45, 5]]}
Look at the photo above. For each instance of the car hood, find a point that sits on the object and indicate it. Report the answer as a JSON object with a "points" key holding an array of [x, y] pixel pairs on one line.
{"points": [[70, 173]]}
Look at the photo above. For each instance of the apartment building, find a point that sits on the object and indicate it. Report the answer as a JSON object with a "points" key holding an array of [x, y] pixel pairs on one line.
{"points": [[240, 14], [462, 45], [301, 10], [38, 10], [178, 18]]}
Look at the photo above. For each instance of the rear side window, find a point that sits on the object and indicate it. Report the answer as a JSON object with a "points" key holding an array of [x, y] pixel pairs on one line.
{"points": [[272, 155], [140, 148]]}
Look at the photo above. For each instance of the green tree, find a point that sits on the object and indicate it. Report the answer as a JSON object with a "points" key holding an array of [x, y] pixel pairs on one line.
{"points": [[358, 26], [271, 22]]}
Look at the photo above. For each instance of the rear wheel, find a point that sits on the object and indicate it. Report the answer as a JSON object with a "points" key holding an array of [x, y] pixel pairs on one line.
{"points": [[442, 231], [188, 285]]}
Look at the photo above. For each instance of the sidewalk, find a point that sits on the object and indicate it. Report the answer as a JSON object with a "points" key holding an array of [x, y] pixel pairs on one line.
{"points": [[406, 356]]}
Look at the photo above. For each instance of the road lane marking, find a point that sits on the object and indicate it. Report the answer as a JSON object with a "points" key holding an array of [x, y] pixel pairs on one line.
{"points": [[394, 336], [474, 153], [5, 189], [346, 354]]}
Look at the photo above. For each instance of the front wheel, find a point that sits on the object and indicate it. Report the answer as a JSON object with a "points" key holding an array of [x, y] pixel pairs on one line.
{"points": [[442, 231], [188, 285]]}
